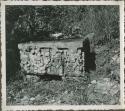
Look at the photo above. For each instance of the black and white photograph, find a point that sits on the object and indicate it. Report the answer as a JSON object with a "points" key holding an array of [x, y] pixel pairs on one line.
{"points": [[62, 54]]}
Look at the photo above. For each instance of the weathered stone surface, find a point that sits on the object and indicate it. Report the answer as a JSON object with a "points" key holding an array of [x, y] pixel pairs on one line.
{"points": [[53, 58]]}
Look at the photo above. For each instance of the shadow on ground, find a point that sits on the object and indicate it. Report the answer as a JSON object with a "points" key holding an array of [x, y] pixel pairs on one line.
{"points": [[50, 77]]}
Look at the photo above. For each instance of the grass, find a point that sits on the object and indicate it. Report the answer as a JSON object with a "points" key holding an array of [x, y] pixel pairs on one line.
{"points": [[71, 91]]}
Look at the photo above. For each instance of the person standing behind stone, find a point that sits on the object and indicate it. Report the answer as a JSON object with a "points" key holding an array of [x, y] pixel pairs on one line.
{"points": [[88, 48]]}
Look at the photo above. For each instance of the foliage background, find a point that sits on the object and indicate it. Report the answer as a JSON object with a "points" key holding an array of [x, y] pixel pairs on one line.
{"points": [[36, 23]]}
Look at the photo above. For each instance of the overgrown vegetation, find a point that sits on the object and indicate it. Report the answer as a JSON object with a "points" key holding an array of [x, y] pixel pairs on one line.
{"points": [[36, 23], [103, 87]]}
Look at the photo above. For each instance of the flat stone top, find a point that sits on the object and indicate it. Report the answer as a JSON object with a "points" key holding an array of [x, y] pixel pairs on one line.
{"points": [[69, 43]]}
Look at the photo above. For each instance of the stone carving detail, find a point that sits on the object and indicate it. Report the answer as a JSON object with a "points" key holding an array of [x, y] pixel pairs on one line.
{"points": [[61, 61]]}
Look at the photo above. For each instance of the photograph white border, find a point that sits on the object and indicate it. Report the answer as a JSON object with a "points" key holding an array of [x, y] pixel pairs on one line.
{"points": [[62, 107]]}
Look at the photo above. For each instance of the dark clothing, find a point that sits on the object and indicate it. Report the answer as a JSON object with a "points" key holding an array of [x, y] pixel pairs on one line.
{"points": [[86, 46], [89, 57], [92, 65]]}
